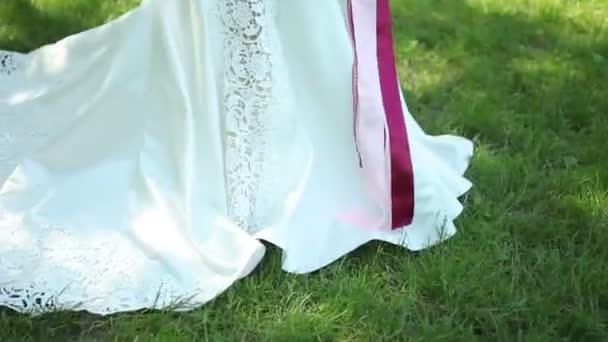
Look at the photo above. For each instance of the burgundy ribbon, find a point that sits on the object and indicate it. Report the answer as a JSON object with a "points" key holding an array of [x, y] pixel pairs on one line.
{"points": [[380, 129]]}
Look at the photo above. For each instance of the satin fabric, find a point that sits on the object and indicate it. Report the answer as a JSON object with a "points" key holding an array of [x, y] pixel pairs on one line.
{"points": [[142, 161]]}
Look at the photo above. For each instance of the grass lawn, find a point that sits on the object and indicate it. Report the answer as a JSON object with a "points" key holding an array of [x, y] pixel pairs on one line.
{"points": [[527, 80]]}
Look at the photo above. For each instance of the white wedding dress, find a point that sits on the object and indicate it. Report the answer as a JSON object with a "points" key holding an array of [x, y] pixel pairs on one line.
{"points": [[142, 161]]}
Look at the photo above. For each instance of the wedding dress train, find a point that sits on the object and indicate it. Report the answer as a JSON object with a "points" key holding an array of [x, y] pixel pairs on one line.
{"points": [[142, 161]]}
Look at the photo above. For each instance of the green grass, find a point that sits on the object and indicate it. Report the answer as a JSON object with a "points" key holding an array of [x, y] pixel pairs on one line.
{"points": [[527, 80]]}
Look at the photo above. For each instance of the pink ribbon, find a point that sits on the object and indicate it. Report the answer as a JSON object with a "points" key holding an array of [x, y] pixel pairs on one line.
{"points": [[380, 131]]}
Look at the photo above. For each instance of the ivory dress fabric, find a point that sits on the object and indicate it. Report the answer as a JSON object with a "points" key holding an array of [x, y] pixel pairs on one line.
{"points": [[142, 161]]}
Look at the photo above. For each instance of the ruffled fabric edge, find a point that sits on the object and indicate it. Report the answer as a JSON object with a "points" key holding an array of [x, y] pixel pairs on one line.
{"points": [[439, 166]]}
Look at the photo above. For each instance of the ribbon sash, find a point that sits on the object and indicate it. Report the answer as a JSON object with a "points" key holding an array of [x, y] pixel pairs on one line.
{"points": [[380, 130]]}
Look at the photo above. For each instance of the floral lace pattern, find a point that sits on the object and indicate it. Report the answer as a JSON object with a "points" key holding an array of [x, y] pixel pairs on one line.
{"points": [[27, 300], [65, 257], [8, 63], [248, 92]]}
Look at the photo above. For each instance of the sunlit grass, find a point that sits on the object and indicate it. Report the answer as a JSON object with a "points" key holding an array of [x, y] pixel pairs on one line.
{"points": [[527, 80]]}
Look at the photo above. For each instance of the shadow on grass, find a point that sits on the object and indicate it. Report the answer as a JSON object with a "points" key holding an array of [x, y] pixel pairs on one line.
{"points": [[530, 260], [529, 88]]}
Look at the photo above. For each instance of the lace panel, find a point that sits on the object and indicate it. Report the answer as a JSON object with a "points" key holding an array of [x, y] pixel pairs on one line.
{"points": [[248, 93]]}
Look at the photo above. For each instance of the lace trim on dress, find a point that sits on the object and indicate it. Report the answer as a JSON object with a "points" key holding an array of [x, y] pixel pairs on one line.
{"points": [[8, 63], [50, 269], [248, 92]]}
